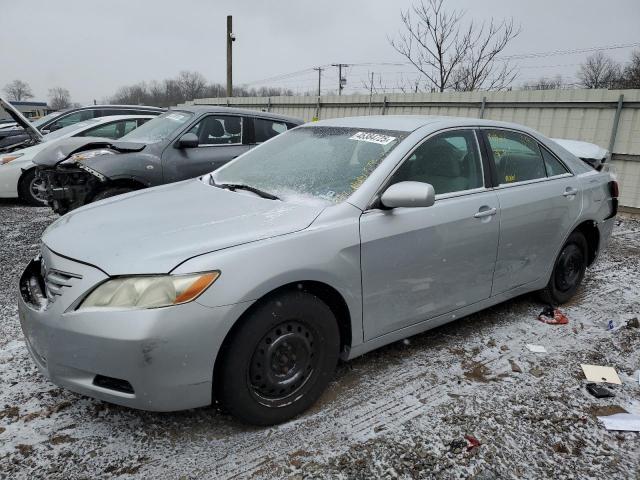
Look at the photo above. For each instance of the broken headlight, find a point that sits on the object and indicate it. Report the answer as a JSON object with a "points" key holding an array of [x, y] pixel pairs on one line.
{"points": [[140, 292], [87, 154]]}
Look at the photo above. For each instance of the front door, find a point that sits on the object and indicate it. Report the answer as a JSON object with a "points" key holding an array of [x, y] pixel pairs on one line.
{"points": [[221, 139], [418, 263]]}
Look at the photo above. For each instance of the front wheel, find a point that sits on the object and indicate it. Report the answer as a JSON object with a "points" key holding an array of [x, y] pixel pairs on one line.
{"points": [[30, 189], [279, 360], [111, 192], [568, 271]]}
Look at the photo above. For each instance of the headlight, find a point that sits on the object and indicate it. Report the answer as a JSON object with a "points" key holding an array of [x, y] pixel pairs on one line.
{"points": [[141, 292], [10, 158], [82, 156]]}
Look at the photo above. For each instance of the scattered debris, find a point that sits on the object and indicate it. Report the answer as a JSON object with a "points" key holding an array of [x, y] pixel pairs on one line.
{"points": [[474, 443], [598, 373], [621, 421], [457, 446], [599, 391], [536, 348], [553, 316], [515, 367], [633, 323], [610, 325]]}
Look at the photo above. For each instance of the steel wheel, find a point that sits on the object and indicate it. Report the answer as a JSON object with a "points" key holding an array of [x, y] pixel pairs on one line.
{"points": [[569, 267]]}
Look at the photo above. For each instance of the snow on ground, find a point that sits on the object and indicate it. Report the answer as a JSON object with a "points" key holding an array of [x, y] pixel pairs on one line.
{"points": [[401, 411]]}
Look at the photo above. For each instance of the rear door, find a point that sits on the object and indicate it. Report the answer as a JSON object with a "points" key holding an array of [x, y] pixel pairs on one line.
{"points": [[418, 263], [539, 203], [221, 139]]}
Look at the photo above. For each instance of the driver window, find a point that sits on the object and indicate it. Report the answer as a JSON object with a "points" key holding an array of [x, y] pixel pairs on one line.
{"points": [[218, 130], [449, 161]]}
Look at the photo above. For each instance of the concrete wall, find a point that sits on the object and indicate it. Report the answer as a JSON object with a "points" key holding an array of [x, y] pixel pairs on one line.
{"points": [[587, 115]]}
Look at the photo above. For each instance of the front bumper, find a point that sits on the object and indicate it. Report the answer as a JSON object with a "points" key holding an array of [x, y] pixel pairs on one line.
{"points": [[165, 356]]}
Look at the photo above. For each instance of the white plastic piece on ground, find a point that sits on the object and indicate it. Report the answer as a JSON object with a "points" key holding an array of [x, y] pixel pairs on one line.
{"points": [[536, 348], [597, 373], [582, 149], [621, 421]]}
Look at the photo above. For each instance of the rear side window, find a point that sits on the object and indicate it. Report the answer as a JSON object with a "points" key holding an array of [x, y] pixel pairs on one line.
{"points": [[553, 165], [517, 156], [266, 129], [449, 161], [71, 119], [112, 130]]}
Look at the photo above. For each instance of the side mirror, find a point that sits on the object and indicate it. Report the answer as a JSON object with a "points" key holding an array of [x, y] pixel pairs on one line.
{"points": [[45, 131], [188, 140], [54, 127], [409, 194]]}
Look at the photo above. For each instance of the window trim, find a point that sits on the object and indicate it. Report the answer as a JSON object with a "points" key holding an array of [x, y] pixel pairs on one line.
{"points": [[483, 131], [373, 203], [568, 170]]}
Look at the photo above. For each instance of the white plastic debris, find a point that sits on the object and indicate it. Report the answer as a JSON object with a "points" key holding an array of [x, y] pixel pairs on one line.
{"points": [[621, 421], [536, 348], [598, 373]]}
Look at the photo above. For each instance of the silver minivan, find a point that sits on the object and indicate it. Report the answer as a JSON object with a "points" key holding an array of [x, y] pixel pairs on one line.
{"points": [[247, 285]]}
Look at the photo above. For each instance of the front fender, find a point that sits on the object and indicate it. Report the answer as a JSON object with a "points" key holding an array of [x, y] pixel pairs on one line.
{"points": [[141, 167]]}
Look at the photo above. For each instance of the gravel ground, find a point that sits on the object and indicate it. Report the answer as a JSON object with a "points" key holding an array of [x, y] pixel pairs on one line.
{"points": [[402, 411]]}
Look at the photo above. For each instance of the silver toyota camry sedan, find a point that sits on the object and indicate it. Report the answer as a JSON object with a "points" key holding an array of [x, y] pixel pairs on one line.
{"points": [[246, 286]]}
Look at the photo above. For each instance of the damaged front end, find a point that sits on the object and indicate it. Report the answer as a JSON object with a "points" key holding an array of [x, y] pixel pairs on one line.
{"points": [[67, 181]]}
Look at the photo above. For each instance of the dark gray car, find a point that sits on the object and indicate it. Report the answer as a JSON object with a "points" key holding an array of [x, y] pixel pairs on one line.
{"points": [[177, 145]]}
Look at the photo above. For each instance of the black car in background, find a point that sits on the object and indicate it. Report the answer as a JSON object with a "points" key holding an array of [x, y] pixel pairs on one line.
{"points": [[178, 145], [11, 138]]}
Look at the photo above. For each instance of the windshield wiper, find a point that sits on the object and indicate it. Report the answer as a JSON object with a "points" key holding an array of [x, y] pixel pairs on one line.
{"points": [[240, 186]]}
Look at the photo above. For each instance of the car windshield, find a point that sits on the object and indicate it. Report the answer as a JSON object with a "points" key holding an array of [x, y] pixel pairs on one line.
{"points": [[70, 129], [314, 163], [159, 128], [41, 121]]}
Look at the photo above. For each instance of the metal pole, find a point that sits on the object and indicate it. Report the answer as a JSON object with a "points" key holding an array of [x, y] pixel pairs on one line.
{"points": [[230, 39], [614, 129], [484, 101], [319, 69], [339, 79]]}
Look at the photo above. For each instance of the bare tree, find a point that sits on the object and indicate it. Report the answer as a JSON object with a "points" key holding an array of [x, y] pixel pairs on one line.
{"points": [[18, 90], [59, 98], [599, 71], [192, 84], [452, 54], [630, 77], [544, 83]]}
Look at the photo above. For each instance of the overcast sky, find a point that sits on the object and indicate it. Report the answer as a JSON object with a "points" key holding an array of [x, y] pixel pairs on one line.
{"points": [[91, 48]]}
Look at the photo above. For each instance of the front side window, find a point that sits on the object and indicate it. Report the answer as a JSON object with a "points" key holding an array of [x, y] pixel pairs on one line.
{"points": [[323, 164], [218, 130], [517, 156], [159, 128], [71, 119], [266, 129], [449, 161]]}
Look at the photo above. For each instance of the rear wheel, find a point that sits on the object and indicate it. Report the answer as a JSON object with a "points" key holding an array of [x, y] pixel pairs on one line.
{"points": [[280, 359], [29, 189], [568, 271], [111, 192]]}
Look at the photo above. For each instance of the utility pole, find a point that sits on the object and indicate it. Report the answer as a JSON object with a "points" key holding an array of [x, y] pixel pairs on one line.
{"points": [[370, 93], [230, 39], [319, 69], [341, 81]]}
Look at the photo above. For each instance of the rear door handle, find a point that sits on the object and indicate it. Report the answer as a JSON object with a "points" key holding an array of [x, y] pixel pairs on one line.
{"points": [[485, 213], [570, 191]]}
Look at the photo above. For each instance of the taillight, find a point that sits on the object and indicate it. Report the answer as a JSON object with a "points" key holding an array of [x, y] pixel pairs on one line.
{"points": [[613, 189]]}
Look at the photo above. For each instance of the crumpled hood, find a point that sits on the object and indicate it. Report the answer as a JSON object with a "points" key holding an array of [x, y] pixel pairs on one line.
{"points": [[62, 149], [154, 230]]}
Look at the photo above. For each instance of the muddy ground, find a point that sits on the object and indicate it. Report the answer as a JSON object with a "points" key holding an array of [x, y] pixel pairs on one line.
{"points": [[402, 411]]}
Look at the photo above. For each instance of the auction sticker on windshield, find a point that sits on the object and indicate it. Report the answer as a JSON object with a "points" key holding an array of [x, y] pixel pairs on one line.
{"points": [[176, 116], [373, 138]]}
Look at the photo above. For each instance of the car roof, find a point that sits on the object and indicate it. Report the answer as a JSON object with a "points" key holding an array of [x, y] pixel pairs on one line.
{"points": [[132, 107], [409, 123], [200, 109]]}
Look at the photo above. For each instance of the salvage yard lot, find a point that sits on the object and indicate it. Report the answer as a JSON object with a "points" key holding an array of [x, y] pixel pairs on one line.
{"points": [[399, 411]]}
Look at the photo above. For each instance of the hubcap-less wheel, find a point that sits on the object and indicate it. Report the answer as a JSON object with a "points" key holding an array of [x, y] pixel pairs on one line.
{"points": [[35, 188], [282, 362], [569, 267]]}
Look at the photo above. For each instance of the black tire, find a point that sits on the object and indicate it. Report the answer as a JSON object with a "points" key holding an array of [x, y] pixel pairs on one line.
{"points": [[27, 191], [111, 192], [279, 360], [568, 271]]}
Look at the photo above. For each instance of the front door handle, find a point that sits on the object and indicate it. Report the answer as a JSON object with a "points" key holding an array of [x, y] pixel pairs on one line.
{"points": [[488, 212], [569, 191]]}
